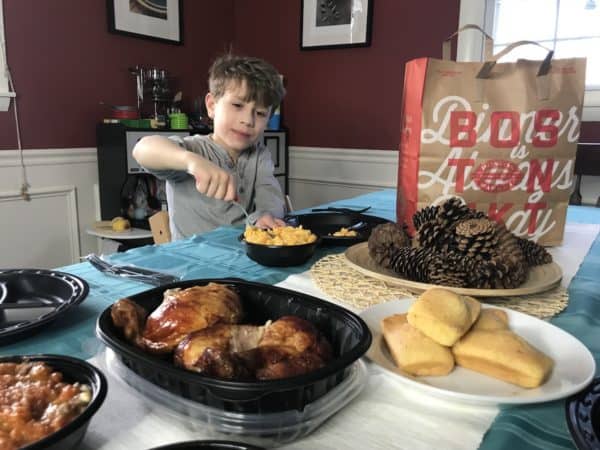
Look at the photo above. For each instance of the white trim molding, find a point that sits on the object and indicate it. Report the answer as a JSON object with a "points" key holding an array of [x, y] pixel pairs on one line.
{"points": [[319, 174], [55, 156]]}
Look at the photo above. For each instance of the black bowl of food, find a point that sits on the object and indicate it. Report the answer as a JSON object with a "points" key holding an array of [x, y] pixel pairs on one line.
{"points": [[340, 338], [59, 421], [337, 228], [280, 247]]}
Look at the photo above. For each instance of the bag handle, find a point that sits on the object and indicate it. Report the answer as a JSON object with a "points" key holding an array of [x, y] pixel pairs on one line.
{"points": [[488, 46], [542, 84], [489, 65]]}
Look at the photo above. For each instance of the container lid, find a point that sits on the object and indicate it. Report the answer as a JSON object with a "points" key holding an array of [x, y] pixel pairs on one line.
{"points": [[262, 429]]}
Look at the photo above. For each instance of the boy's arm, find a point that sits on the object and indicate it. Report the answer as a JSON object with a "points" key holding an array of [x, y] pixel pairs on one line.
{"points": [[160, 153], [268, 196]]}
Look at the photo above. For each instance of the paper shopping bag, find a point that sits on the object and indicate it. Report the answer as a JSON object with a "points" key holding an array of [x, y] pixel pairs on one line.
{"points": [[502, 136]]}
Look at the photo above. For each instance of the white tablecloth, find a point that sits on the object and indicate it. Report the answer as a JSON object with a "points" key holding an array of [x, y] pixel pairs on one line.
{"points": [[387, 414]]}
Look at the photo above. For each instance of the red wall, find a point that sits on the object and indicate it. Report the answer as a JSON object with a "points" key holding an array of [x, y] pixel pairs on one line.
{"points": [[348, 98], [65, 62]]}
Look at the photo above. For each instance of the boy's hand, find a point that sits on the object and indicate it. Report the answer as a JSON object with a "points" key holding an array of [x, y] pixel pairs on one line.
{"points": [[268, 221], [211, 180]]}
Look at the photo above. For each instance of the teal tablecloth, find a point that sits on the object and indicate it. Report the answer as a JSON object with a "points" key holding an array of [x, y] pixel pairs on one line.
{"points": [[219, 254]]}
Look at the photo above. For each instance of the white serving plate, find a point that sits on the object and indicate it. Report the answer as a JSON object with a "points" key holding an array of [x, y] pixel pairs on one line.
{"points": [[573, 370]]}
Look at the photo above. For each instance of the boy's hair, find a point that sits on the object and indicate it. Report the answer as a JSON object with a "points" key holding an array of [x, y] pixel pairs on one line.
{"points": [[264, 85]]}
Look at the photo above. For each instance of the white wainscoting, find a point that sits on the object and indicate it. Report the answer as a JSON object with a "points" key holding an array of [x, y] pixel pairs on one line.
{"points": [[48, 230], [40, 232], [319, 175]]}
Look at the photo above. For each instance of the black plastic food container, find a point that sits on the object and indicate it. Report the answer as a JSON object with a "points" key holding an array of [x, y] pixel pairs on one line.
{"points": [[348, 334], [280, 255], [73, 370], [32, 298], [324, 224], [208, 445]]}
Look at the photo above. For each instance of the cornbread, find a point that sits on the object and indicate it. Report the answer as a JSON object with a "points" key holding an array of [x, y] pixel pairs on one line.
{"points": [[443, 315], [414, 352], [503, 354], [491, 319]]}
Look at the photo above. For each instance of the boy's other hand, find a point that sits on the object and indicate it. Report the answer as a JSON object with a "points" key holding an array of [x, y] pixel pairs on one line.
{"points": [[211, 180], [268, 221]]}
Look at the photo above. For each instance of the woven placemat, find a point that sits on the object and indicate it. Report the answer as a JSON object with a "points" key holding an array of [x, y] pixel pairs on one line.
{"points": [[334, 277]]}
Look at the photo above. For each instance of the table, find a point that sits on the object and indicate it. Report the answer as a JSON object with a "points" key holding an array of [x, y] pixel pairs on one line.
{"points": [[385, 415], [123, 240]]}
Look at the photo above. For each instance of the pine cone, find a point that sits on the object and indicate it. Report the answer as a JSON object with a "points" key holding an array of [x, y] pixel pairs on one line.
{"points": [[427, 214], [535, 254], [452, 210], [508, 259], [475, 238], [384, 239], [430, 234], [413, 263], [508, 249], [452, 269]]}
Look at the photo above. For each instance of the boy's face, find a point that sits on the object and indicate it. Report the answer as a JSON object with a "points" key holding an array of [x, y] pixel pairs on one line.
{"points": [[237, 124]]}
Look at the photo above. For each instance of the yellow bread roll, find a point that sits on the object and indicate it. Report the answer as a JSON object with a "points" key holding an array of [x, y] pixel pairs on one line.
{"points": [[120, 224], [414, 352], [443, 315], [505, 355], [491, 319]]}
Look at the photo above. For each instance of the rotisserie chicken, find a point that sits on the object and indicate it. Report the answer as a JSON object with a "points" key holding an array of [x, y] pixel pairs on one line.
{"points": [[181, 312], [288, 347], [214, 351]]}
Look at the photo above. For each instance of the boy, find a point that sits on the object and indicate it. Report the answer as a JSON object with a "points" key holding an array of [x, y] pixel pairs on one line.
{"points": [[204, 174]]}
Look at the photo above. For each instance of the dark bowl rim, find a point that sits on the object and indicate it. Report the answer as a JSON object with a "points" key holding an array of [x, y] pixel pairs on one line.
{"points": [[586, 399], [224, 444], [327, 239], [315, 243], [21, 331], [334, 366], [94, 378]]}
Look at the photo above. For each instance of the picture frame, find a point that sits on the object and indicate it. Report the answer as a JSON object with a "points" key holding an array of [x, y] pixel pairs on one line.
{"points": [[159, 20], [327, 24]]}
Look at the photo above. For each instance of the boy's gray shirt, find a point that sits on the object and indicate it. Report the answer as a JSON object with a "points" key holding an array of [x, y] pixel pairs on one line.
{"points": [[191, 212]]}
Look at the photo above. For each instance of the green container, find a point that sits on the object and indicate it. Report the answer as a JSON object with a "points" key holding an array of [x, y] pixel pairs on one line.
{"points": [[178, 121]]}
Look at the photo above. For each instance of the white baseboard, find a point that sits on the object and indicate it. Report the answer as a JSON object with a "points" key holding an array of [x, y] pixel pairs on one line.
{"points": [[319, 175]]}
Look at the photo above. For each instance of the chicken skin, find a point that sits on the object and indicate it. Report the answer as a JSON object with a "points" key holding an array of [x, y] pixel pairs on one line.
{"points": [[287, 347], [214, 351], [291, 346], [181, 312]]}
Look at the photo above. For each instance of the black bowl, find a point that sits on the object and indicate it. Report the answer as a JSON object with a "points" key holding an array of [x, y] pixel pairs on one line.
{"points": [[348, 334], [280, 255], [208, 445], [73, 370], [324, 224], [32, 298]]}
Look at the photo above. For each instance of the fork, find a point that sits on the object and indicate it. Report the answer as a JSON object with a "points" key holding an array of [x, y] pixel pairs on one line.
{"points": [[239, 205], [131, 272]]}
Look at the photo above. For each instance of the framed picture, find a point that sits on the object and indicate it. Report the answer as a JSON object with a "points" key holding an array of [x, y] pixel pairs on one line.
{"points": [[160, 20], [335, 24]]}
